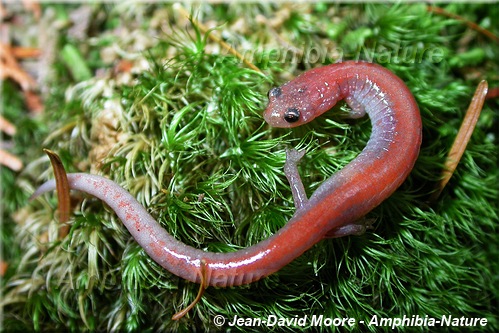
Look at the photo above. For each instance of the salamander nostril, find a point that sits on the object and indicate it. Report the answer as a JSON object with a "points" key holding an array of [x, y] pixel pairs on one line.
{"points": [[292, 115], [274, 92]]}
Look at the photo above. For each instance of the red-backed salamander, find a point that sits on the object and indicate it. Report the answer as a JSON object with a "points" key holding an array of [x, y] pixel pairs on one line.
{"points": [[335, 207]]}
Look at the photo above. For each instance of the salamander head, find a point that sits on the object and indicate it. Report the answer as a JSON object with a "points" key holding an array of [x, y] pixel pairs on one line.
{"points": [[300, 100], [285, 108]]}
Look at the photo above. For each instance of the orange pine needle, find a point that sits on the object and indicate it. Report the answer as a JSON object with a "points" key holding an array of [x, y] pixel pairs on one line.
{"points": [[202, 288], [62, 186], [7, 127], [463, 137], [10, 161]]}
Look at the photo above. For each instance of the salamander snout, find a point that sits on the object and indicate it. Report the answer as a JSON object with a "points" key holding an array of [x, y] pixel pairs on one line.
{"points": [[279, 112]]}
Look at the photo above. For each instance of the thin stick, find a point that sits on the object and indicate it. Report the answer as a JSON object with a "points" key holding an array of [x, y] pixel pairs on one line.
{"points": [[216, 39], [470, 24]]}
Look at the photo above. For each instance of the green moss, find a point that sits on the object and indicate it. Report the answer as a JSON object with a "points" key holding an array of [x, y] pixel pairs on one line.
{"points": [[186, 138]]}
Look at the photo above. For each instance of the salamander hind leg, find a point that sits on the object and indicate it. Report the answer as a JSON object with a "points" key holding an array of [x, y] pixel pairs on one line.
{"points": [[293, 157], [356, 228], [358, 110]]}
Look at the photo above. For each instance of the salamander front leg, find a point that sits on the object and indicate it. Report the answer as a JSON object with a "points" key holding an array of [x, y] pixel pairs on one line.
{"points": [[356, 228], [293, 157]]}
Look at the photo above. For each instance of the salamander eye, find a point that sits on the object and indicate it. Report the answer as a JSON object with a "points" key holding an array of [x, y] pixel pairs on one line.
{"points": [[274, 92], [292, 115]]}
